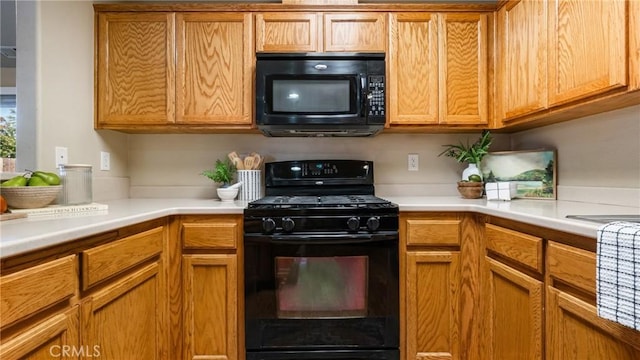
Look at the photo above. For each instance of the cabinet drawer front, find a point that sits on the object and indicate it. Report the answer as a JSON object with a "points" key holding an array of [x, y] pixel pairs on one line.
{"points": [[210, 235], [523, 248], [31, 290], [433, 232], [110, 259], [571, 265]]}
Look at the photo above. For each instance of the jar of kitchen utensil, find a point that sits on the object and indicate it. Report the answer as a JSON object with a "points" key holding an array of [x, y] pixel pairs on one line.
{"points": [[251, 184], [77, 187]]}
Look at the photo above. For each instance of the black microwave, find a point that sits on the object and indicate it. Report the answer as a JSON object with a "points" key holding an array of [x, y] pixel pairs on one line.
{"points": [[320, 94]]}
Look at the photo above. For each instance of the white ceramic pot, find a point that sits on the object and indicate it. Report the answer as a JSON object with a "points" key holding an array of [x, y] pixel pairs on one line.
{"points": [[471, 170]]}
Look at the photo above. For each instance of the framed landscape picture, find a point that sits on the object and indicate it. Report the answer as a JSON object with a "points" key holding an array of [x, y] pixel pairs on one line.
{"points": [[534, 171]]}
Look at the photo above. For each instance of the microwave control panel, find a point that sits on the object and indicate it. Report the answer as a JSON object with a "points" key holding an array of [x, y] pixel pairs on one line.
{"points": [[375, 97]]}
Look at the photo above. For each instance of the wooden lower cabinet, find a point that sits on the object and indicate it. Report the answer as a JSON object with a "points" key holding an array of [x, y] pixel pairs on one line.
{"points": [[514, 313], [432, 304], [53, 338], [212, 290], [210, 301], [440, 291], [575, 332], [126, 319]]}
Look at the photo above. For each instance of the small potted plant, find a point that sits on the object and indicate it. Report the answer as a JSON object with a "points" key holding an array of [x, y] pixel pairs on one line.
{"points": [[223, 174], [471, 186], [470, 153]]}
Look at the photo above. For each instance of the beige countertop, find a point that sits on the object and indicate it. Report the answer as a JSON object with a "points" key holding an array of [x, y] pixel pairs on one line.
{"points": [[23, 235]]}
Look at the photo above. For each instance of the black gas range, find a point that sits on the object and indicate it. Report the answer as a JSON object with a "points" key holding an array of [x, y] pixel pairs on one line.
{"points": [[321, 265], [320, 196]]}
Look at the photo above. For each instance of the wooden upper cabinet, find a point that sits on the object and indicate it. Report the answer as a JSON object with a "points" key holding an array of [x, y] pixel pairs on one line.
{"points": [[135, 69], [364, 32], [522, 42], [463, 69], [214, 68], [438, 69], [321, 32], [287, 32], [587, 48], [413, 69]]}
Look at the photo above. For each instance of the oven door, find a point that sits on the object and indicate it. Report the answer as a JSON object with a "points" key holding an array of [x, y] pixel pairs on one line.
{"points": [[321, 292]]}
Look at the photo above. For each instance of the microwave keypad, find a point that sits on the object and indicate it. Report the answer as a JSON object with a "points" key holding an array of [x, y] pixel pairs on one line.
{"points": [[376, 96]]}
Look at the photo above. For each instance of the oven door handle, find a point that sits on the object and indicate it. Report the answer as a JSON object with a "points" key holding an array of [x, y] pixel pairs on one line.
{"points": [[326, 239]]}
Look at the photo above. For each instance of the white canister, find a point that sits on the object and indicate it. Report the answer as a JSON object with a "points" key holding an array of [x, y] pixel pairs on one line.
{"points": [[76, 184], [251, 184]]}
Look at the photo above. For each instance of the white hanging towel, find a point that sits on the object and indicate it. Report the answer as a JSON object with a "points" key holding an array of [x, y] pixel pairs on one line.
{"points": [[618, 273]]}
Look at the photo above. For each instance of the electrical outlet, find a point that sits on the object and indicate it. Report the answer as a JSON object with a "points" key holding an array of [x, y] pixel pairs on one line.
{"points": [[105, 161], [62, 156], [413, 162]]}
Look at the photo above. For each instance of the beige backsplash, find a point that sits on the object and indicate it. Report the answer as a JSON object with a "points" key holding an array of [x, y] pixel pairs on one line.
{"points": [[598, 158], [175, 161]]}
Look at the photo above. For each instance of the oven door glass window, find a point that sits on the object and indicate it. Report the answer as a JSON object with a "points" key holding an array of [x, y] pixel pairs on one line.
{"points": [[321, 287], [332, 292], [312, 95]]}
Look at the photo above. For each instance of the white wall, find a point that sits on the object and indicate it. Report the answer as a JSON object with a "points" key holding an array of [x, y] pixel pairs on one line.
{"points": [[598, 156], [65, 89]]}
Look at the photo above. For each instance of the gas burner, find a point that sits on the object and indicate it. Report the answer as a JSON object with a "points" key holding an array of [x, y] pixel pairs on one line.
{"points": [[323, 201]]}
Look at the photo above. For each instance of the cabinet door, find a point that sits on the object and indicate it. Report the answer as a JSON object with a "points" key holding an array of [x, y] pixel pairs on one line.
{"points": [[522, 41], [514, 313], [210, 300], [575, 332], [127, 318], [135, 69], [287, 32], [587, 45], [55, 337], [413, 69], [214, 68], [365, 32], [432, 305], [463, 69]]}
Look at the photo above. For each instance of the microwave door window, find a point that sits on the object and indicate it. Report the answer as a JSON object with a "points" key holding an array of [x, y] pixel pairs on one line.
{"points": [[311, 96]]}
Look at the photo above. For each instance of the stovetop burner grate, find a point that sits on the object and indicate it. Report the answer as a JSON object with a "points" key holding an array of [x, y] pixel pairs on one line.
{"points": [[326, 201]]}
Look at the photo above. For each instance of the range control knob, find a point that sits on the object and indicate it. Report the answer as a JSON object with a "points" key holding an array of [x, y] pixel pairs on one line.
{"points": [[288, 224], [353, 223], [268, 225], [373, 223]]}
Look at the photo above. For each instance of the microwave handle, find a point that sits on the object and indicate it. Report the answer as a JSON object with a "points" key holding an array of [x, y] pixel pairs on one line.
{"points": [[363, 95]]}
